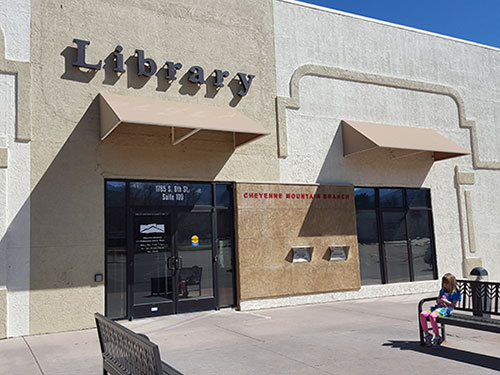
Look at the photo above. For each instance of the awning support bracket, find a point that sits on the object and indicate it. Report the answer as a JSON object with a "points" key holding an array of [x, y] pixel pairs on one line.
{"points": [[395, 155], [175, 142]]}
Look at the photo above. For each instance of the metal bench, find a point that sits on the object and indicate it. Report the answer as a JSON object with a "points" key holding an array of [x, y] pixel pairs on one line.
{"points": [[190, 280], [480, 299], [125, 352]]}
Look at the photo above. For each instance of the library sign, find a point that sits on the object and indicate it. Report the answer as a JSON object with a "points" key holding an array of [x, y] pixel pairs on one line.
{"points": [[147, 67]]}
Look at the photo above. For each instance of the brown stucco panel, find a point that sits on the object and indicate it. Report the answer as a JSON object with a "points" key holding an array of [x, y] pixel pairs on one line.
{"points": [[272, 218]]}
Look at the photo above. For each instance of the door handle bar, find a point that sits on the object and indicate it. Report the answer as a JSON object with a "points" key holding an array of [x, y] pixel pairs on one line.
{"points": [[178, 263]]}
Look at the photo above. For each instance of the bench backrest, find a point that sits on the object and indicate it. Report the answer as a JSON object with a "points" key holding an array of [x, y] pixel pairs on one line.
{"points": [[192, 275], [126, 351], [479, 296]]}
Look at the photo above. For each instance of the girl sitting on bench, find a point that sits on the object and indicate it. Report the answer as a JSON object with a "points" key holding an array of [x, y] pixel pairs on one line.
{"points": [[446, 301]]}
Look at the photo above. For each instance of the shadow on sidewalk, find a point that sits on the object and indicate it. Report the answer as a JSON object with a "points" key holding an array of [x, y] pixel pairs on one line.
{"points": [[449, 353]]}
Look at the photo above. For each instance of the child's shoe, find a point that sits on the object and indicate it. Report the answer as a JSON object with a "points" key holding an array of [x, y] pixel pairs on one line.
{"points": [[437, 340], [428, 339]]}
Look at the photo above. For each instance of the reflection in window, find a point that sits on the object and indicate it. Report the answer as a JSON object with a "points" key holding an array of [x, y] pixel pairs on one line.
{"points": [[395, 246], [223, 195], [369, 255], [417, 197], [395, 235], [391, 198], [170, 194], [365, 198], [225, 257], [421, 244], [116, 250], [194, 247]]}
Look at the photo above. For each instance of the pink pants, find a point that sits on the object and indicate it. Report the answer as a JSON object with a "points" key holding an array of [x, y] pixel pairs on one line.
{"points": [[432, 317]]}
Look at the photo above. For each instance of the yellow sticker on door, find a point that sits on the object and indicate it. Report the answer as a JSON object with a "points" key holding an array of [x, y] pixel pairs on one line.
{"points": [[195, 241]]}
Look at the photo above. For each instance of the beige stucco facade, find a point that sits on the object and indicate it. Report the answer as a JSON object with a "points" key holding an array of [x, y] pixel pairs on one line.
{"points": [[70, 163], [53, 163]]}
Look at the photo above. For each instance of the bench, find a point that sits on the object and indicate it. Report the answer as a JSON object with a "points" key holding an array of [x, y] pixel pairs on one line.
{"points": [[190, 277], [125, 352], [480, 301]]}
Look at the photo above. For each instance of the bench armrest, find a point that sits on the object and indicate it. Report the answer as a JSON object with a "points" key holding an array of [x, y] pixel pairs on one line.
{"points": [[424, 300]]}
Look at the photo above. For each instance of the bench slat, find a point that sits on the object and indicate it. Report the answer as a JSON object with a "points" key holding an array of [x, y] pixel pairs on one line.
{"points": [[169, 370], [474, 322]]}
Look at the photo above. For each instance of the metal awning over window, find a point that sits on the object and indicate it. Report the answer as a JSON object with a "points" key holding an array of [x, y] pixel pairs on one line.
{"points": [[184, 119], [402, 140]]}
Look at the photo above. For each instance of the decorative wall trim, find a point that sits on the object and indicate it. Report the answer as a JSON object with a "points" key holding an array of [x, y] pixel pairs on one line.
{"points": [[467, 232], [22, 71], [4, 157], [470, 222], [465, 178], [293, 102]]}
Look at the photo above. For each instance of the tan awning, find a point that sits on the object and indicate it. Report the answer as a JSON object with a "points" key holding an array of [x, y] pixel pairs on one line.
{"points": [[403, 140], [184, 119]]}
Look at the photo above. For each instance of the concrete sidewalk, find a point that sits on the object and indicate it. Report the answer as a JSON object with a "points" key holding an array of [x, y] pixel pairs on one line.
{"points": [[376, 336]]}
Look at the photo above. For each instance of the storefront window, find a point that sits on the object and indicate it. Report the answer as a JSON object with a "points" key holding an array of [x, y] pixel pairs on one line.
{"points": [[116, 250], [170, 194], [395, 235], [390, 198], [368, 245]]}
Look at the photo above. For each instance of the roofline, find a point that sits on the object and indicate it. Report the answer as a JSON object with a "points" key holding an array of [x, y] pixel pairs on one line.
{"points": [[395, 25]]}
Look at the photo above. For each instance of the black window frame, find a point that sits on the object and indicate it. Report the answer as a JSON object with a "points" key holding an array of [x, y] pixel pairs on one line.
{"points": [[380, 228], [214, 208]]}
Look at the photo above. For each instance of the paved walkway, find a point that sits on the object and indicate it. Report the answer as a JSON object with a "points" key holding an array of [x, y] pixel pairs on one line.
{"points": [[375, 336]]}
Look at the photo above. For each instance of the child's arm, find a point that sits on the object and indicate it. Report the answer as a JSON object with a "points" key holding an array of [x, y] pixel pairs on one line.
{"points": [[439, 300], [446, 303]]}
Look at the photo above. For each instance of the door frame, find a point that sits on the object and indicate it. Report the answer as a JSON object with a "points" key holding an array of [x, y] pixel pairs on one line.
{"points": [[172, 211]]}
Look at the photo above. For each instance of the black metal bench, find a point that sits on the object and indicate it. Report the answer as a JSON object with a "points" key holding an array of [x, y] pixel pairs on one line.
{"points": [[125, 352], [190, 277], [480, 299]]}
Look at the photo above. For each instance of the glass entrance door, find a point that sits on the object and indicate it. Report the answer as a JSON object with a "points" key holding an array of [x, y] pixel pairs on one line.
{"points": [[169, 247], [194, 249], [172, 262], [153, 264]]}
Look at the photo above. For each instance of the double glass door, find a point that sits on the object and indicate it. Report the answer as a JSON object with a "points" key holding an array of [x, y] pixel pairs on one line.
{"points": [[169, 247], [171, 262]]}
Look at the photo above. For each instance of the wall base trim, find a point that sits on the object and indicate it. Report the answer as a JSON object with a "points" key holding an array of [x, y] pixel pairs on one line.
{"points": [[369, 291]]}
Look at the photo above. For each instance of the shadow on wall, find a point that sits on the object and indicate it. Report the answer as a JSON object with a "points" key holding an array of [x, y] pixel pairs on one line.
{"points": [[67, 203], [322, 218], [374, 167]]}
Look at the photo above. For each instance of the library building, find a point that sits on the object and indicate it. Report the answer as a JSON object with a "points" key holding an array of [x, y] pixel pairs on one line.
{"points": [[169, 157]]}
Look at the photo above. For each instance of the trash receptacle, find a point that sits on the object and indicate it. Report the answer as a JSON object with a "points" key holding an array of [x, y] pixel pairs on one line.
{"points": [[480, 298]]}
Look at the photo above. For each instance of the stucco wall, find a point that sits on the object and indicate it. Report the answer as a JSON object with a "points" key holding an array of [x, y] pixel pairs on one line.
{"points": [[70, 163], [272, 218], [15, 22], [14, 167], [393, 75], [3, 313]]}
